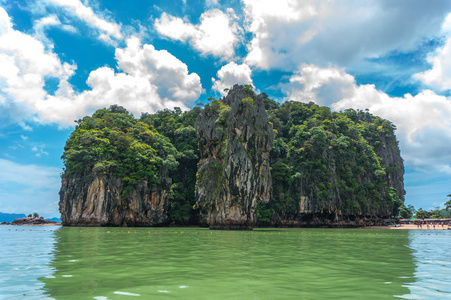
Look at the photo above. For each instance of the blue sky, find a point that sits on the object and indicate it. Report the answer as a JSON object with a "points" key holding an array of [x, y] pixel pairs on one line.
{"points": [[61, 60]]}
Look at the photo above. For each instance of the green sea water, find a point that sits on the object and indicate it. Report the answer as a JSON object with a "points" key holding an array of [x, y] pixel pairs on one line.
{"points": [[46, 262]]}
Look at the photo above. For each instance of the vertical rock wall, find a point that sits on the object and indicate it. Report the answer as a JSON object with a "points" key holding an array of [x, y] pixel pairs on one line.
{"points": [[97, 201], [235, 138]]}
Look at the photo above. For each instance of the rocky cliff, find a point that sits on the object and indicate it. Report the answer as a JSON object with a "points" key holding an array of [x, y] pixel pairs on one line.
{"points": [[385, 145], [33, 221], [116, 172], [257, 162], [97, 201], [235, 138], [332, 169]]}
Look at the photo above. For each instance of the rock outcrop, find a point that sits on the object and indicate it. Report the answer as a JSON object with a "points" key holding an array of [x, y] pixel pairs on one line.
{"points": [[332, 169], [99, 201], [116, 172], [387, 149], [235, 138], [32, 221]]}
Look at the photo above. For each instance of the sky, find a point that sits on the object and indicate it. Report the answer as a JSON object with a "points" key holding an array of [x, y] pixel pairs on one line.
{"points": [[61, 60]]}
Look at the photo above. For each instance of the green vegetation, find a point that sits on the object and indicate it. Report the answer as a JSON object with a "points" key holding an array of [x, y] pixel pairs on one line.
{"points": [[112, 141], [448, 204], [179, 127], [435, 213], [329, 158]]}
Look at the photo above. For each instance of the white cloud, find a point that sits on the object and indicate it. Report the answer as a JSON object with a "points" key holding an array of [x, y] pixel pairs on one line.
{"points": [[39, 150], [42, 24], [424, 127], [439, 76], [342, 33], [108, 29], [174, 28], [217, 34], [211, 3], [30, 187], [32, 176], [320, 85], [24, 63], [52, 20], [69, 28], [232, 74], [149, 80], [24, 126]]}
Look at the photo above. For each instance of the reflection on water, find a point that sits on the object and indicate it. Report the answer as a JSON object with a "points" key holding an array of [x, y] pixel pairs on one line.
{"points": [[198, 263], [432, 257], [25, 256], [195, 263]]}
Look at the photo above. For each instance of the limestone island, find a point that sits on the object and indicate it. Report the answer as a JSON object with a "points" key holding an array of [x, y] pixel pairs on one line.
{"points": [[234, 163]]}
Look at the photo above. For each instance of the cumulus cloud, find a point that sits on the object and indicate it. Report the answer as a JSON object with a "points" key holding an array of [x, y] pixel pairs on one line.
{"points": [[151, 80], [231, 74], [439, 76], [320, 85], [424, 127], [217, 34], [148, 80], [342, 33], [24, 62], [108, 29]]}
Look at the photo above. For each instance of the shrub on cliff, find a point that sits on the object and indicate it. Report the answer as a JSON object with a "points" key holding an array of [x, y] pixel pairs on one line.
{"points": [[112, 141]]}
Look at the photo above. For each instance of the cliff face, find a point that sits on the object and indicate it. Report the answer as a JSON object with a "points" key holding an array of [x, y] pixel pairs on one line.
{"points": [[388, 150], [327, 168], [235, 138], [383, 140], [332, 169], [98, 202], [116, 172]]}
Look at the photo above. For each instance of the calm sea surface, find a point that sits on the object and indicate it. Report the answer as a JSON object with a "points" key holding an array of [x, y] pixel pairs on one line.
{"points": [[46, 262]]}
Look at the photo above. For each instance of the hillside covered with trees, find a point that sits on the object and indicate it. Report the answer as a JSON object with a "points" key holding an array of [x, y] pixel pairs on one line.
{"points": [[327, 168]]}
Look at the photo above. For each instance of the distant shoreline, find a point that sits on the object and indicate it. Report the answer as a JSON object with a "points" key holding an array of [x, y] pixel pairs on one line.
{"points": [[46, 224], [412, 227], [401, 227]]}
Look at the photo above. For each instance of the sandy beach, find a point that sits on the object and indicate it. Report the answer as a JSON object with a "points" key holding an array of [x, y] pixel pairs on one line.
{"points": [[412, 227]]}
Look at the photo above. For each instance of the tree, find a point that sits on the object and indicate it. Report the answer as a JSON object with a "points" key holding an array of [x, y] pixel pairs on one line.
{"points": [[29, 215], [421, 214], [437, 213], [448, 205], [36, 215]]}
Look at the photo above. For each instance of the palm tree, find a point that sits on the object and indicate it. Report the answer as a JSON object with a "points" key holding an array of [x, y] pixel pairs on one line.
{"points": [[448, 204]]}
